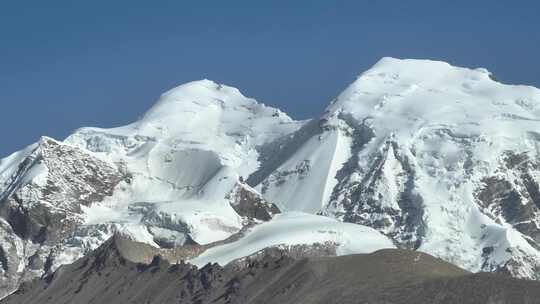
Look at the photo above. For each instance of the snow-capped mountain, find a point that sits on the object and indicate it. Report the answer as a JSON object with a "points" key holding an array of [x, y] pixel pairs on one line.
{"points": [[441, 159], [436, 158]]}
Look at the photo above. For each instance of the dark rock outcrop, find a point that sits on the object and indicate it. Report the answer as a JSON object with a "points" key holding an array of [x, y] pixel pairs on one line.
{"points": [[40, 206]]}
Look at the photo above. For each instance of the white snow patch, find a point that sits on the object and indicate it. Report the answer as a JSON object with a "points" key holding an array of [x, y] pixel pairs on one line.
{"points": [[294, 228]]}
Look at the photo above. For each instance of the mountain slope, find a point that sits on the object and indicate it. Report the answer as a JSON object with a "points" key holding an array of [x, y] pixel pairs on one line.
{"points": [[387, 276]]}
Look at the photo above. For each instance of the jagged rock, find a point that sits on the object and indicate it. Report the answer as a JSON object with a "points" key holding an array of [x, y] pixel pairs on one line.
{"points": [[41, 205], [250, 204]]}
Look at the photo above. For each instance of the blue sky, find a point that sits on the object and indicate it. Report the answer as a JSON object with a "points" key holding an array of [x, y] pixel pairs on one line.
{"points": [[66, 64]]}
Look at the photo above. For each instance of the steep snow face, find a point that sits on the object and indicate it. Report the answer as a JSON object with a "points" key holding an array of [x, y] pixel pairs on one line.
{"points": [[298, 172], [10, 164], [445, 160], [304, 182]]}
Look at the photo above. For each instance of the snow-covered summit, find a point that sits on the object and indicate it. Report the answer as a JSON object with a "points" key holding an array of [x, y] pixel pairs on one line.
{"points": [[400, 95], [199, 115], [212, 109]]}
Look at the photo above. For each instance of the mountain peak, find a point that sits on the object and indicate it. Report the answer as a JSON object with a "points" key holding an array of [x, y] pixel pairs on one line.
{"points": [[205, 111], [387, 62], [199, 86], [414, 66], [200, 95], [404, 95]]}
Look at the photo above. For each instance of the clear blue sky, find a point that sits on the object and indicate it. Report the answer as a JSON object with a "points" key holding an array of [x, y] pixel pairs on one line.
{"points": [[65, 64]]}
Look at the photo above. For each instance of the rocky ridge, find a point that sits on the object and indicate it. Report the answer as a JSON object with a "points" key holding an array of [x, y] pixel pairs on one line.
{"points": [[273, 276]]}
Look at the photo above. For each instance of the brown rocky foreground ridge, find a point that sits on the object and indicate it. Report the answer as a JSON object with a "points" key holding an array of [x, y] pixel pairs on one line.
{"points": [[112, 274]]}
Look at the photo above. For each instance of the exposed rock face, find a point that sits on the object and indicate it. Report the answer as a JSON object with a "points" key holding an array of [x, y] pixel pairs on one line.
{"points": [[45, 209], [274, 276], [250, 204], [382, 195], [512, 194], [41, 204]]}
